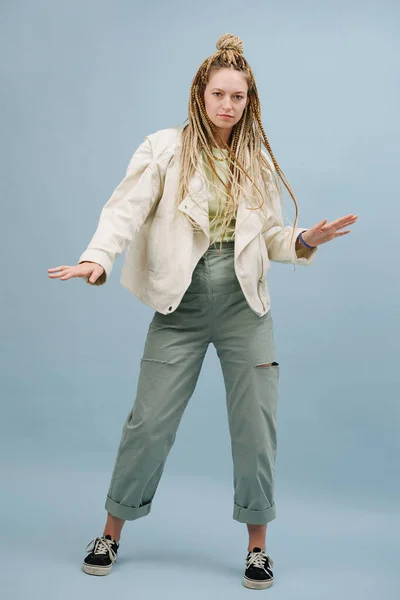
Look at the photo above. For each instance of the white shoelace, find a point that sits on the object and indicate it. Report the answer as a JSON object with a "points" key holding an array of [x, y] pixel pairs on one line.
{"points": [[258, 560], [102, 546]]}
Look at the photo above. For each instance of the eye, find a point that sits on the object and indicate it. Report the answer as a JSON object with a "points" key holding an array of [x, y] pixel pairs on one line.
{"points": [[216, 93], [239, 97]]}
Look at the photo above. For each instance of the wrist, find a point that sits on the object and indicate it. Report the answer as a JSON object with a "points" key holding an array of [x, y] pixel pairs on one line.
{"points": [[304, 242]]}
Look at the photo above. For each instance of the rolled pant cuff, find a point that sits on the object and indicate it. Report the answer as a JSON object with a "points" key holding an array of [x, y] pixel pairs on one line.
{"points": [[254, 517], [126, 513]]}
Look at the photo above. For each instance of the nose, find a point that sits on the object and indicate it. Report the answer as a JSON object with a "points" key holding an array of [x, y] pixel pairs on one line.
{"points": [[227, 106]]}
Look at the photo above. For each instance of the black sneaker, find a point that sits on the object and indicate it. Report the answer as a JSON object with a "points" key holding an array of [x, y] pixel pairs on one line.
{"points": [[101, 557], [258, 574]]}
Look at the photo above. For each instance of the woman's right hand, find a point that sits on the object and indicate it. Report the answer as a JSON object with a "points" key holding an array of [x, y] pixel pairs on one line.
{"points": [[87, 270]]}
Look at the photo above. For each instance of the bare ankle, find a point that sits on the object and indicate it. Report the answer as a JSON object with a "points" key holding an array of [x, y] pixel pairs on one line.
{"points": [[257, 535], [113, 527]]}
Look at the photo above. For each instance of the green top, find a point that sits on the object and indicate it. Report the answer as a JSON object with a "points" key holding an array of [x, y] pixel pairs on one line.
{"points": [[215, 196]]}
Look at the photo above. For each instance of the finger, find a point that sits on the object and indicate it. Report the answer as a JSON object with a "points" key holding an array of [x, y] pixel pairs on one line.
{"points": [[94, 277], [344, 225], [58, 268], [58, 274], [342, 233], [320, 224], [351, 220], [336, 225], [69, 275], [342, 220]]}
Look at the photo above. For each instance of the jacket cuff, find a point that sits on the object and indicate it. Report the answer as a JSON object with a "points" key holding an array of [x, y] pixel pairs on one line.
{"points": [[101, 258], [306, 255]]}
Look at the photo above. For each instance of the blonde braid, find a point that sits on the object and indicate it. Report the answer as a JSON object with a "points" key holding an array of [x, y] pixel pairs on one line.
{"points": [[275, 162], [248, 135]]}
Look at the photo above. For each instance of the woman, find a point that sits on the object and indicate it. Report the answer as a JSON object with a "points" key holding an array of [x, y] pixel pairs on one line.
{"points": [[199, 214]]}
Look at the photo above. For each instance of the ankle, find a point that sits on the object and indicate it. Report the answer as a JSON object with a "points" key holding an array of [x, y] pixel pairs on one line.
{"points": [[113, 527], [257, 536], [114, 538], [256, 545]]}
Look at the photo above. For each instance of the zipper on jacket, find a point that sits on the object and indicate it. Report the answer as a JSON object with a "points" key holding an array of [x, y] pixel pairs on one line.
{"points": [[261, 279], [259, 295]]}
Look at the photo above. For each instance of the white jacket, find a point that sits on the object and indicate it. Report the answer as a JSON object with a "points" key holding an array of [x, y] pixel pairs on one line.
{"points": [[162, 250]]}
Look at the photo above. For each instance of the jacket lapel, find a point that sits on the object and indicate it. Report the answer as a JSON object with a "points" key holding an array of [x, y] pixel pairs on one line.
{"points": [[195, 206], [195, 203], [248, 223]]}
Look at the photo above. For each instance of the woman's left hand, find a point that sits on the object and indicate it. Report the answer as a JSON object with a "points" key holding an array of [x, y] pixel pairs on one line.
{"points": [[324, 232]]}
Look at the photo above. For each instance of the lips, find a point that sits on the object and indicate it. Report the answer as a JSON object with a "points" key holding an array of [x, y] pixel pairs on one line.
{"points": [[226, 116]]}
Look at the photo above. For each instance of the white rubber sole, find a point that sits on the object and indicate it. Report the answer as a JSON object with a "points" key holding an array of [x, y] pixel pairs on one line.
{"points": [[93, 570], [257, 585]]}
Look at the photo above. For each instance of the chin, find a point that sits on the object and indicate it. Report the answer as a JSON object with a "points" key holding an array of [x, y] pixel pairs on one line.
{"points": [[224, 124]]}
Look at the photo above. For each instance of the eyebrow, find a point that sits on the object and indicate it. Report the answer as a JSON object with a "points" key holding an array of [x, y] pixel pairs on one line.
{"points": [[219, 90]]}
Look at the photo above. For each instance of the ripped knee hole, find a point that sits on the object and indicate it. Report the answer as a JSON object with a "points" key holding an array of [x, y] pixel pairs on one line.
{"points": [[273, 364]]}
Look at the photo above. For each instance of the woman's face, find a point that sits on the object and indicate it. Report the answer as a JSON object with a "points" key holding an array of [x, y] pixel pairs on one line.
{"points": [[225, 98]]}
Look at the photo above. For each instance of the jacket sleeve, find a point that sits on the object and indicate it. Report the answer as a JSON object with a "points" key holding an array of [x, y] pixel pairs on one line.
{"points": [[277, 236], [126, 210]]}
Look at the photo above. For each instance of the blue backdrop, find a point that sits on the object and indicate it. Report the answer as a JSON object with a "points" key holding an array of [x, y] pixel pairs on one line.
{"points": [[82, 84]]}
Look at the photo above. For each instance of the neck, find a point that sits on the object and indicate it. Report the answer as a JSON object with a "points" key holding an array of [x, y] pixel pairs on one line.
{"points": [[225, 134]]}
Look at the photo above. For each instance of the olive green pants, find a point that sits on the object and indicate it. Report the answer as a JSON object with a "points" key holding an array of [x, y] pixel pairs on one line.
{"points": [[214, 310]]}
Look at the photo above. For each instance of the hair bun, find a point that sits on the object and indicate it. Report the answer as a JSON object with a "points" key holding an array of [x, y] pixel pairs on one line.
{"points": [[227, 41]]}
